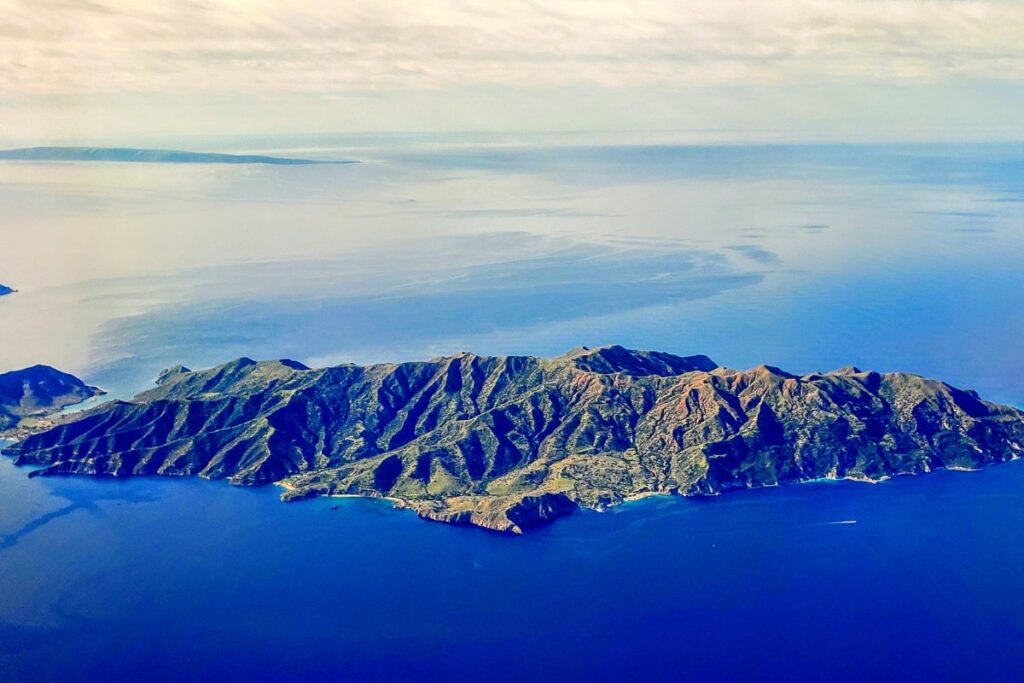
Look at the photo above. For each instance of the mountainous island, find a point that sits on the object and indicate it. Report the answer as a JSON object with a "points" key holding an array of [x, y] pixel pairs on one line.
{"points": [[38, 391], [151, 156], [509, 443]]}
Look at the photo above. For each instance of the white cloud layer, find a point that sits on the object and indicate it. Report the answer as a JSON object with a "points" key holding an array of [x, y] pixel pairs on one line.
{"points": [[243, 46], [73, 70]]}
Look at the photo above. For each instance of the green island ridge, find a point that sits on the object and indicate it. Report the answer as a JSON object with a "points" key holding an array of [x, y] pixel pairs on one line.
{"points": [[32, 393], [510, 443]]}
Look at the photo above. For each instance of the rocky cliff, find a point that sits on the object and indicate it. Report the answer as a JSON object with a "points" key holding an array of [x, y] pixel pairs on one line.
{"points": [[508, 443]]}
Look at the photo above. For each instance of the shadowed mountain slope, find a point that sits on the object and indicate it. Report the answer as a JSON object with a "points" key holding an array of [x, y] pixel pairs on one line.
{"points": [[38, 390]]}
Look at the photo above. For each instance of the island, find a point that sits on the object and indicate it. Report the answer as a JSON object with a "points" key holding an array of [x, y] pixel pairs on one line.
{"points": [[150, 156], [511, 443], [32, 393]]}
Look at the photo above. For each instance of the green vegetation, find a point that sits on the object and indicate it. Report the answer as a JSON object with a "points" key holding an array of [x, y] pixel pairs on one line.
{"points": [[508, 443]]}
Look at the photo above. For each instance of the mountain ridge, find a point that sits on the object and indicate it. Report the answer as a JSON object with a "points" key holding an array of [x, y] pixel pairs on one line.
{"points": [[509, 443]]}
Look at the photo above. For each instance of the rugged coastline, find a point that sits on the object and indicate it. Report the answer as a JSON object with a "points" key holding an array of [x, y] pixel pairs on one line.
{"points": [[510, 443]]}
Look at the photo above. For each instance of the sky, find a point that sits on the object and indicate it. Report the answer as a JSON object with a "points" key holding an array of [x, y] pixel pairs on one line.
{"points": [[133, 70]]}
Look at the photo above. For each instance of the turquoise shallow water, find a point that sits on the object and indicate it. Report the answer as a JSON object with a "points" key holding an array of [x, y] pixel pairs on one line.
{"points": [[919, 578]]}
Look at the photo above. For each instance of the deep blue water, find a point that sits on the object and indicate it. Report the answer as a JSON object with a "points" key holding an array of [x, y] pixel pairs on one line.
{"points": [[916, 579], [809, 257]]}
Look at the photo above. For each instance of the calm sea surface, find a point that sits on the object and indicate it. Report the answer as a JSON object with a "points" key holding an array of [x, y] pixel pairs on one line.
{"points": [[915, 579], [807, 257]]}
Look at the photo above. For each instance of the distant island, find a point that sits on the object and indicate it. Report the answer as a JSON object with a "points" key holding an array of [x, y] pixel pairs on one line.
{"points": [[38, 391], [509, 443], [152, 156]]}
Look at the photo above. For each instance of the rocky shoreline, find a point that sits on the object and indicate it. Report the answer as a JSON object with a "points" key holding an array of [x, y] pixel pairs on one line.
{"points": [[512, 443]]}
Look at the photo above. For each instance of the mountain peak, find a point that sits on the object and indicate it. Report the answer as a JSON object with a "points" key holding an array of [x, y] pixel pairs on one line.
{"points": [[172, 372], [618, 359]]}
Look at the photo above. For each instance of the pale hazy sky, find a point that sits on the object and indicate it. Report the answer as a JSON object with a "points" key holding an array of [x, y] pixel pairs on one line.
{"points": [[100, 70]]}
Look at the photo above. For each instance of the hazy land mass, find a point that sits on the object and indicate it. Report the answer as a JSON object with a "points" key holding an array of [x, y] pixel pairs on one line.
{"points": [[161, 156]]}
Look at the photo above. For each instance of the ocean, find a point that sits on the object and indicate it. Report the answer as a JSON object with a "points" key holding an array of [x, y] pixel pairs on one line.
{"points": [[918, 578], [808, 257]]}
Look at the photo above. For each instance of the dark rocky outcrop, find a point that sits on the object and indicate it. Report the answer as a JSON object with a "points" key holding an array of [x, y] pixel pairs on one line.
{"points": [[38, 391], [509, 443]]}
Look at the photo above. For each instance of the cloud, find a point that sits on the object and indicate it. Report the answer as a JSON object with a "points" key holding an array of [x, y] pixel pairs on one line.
{"points": [[277, 46]]}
